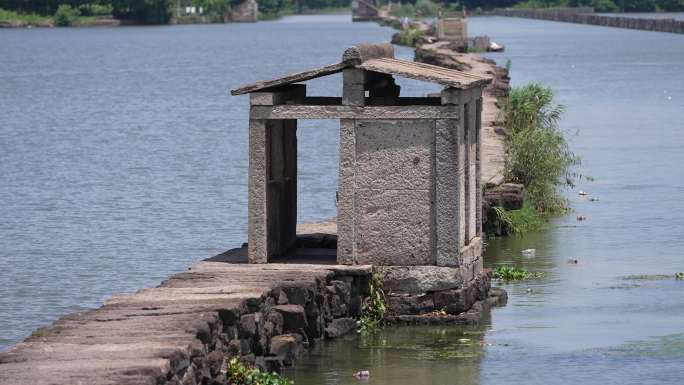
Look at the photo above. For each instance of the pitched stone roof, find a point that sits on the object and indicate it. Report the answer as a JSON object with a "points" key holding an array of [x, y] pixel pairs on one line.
{"points": [[375, 58]]}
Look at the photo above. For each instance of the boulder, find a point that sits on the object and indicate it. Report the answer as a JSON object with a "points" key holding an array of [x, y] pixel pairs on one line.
{"points": [[410, 304], [286, 347], [339, 327], [454, 301], [497, 297], [294, 317], [420, 279]]}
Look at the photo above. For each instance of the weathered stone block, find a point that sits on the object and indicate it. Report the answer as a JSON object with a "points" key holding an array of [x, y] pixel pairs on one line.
{"points": [[286, 347], [339, 327], [294, 317], [420, 279], [410, 304], [248, 325], [393, 227], [454, 301], [497, 297], [394, 155]]}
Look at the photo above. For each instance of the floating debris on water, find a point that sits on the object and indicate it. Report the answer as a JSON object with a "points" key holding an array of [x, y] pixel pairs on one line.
{"points": [[573, 261], [583, 193], [647, 277], [581, 218], [593, 199], [362, 374], [528, 252]]}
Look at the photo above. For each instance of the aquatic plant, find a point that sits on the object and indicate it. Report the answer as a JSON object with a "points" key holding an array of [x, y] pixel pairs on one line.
{"points": [[518, 221], [239, 373], [539, 156], [408, 37], [374, 308], [679, 275], [508, 273]]}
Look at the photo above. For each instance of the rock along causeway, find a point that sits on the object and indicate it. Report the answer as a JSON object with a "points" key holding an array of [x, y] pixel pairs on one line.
{"points": [[182, 331]]}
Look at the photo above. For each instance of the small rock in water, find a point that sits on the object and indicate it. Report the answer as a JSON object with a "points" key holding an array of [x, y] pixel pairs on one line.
{"points": [[581, 218], [362, 374], [583, 193], [528, 252]]}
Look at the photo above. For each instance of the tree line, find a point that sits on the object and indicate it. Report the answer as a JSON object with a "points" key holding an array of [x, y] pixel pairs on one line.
{"points": [[161, 11]]}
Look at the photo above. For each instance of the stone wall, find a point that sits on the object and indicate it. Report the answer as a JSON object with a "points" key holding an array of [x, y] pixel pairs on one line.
{"points": [[586, 16], [183, 331]]}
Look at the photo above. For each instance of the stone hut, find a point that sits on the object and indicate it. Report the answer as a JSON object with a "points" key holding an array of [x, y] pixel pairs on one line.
{"points": [[365, 10], [246, 11], [453, 27], [409, 189]]}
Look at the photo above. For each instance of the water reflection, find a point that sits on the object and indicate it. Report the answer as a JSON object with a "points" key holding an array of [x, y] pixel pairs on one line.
{"points": [[398, 355]]}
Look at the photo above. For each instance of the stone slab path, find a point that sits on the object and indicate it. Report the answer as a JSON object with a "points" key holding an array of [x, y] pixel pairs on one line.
{"points": [[145, 337], [493, 138]]}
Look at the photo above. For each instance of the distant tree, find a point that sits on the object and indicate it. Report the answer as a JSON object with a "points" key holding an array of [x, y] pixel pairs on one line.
{"points": [[148, 11], [670, 5], [638, 5]]}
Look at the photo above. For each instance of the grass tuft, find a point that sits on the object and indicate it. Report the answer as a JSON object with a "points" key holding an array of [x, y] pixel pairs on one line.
{"points": [[374, 308], [508, 273], [539, 155], [239, 373]]}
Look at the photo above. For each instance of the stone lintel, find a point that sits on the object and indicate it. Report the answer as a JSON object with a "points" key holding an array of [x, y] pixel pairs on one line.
{"points": [[278, 96], [279, 112], [455, 96]]}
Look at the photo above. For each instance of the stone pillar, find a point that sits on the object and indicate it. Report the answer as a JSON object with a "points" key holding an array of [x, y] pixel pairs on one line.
{"points": [[471, 184], [272, 197], [353, 94], [449, 188], [256, 224], [478, 167]]}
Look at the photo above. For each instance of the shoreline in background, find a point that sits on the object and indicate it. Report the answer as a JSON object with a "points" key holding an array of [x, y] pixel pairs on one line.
{"points": [[9, 19]]}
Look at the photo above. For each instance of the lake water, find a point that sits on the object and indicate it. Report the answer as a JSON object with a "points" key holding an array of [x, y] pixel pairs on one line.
{"points": [[123, 160]]}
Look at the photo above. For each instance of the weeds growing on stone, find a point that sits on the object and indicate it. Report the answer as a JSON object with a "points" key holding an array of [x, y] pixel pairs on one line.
{"points": [[408, 37], [519, 221], [239, 373], [539, 155], [539, 158], [374, 308]]}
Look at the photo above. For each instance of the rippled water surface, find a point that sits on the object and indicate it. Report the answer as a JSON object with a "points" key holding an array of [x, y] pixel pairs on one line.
{"points": [[123, 160], [608, 319]]}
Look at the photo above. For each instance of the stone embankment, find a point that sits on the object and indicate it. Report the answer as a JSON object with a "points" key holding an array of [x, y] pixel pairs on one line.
{"points": [[183, 331], [586, 16]]}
